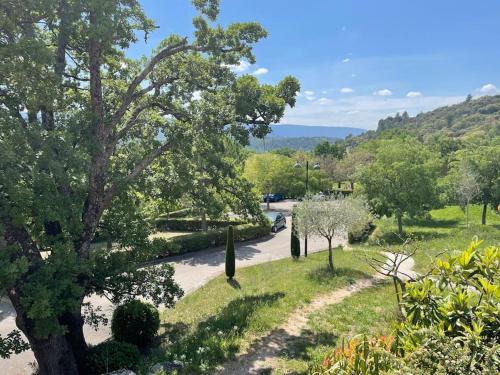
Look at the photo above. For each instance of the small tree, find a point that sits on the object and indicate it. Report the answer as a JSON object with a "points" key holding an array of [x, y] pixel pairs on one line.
{"points": [[230, 257], [295, 241], [467, 188], [327, 218]]}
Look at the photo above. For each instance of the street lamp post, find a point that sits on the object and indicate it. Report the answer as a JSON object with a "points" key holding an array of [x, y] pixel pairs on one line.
{"points": [[315, 167]]}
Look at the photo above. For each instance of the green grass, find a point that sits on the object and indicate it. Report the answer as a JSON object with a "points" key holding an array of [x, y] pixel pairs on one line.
{"points": [[371, 311], [209, 326]]}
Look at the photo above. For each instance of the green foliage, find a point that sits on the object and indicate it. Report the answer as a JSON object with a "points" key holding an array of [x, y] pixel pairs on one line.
{"points": [[273, 173], [192, 225], [401, 179], [230, 255], [203, 240], [112, 356], [294, 241], [135, 322], [336, 149], [459, 300], [12, 344]]}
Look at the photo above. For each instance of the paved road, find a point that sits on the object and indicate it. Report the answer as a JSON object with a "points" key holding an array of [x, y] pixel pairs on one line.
{"points": [[191, 272]]}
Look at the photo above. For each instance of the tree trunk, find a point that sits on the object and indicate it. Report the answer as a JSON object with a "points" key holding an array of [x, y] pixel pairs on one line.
{"points": [[467, 215], [399, 216], [485, 210], [352, 185], [267, 200], [55, 354], [330, 255], [340, 185]]}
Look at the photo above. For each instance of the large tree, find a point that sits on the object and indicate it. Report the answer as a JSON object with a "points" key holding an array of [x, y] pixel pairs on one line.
{"points": [[80, 125], [401, 179]]}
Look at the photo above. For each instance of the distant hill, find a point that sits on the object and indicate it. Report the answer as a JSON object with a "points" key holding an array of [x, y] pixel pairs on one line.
{"points": [[301, 137], [337, 132], [473, 118], [296, 143]]}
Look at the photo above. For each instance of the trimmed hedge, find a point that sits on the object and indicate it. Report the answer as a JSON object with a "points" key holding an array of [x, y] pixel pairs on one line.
{"points": [[203, 240], [192, 225], [112, 356]]}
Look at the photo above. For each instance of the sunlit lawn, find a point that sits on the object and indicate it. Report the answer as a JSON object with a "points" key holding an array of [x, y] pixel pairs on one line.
{"points": [[210, 325]]}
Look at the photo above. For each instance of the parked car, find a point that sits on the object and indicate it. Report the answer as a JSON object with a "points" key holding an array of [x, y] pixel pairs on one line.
{"points": [[276, 197], [277, 219]]}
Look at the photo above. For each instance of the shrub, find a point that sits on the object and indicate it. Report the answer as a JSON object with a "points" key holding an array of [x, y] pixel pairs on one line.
{"points": [[135, 322], [230, 257], [111, 356], [192, 225], [368, 356], [360, 232], [294, 241], [203, 240]]}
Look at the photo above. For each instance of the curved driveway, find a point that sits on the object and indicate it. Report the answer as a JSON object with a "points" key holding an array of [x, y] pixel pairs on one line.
{"points": [[191, 272]]}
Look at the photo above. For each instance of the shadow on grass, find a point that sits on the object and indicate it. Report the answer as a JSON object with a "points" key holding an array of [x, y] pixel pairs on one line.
{"points": [[324, 275], [215, 339], [234, 283], [431, 223], [393, 238]]}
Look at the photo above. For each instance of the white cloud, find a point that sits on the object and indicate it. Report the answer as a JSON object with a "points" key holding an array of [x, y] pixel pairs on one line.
{"points": [[361, 111], [413, 94], [324, 92], [241, 67], [324, 101], [346, 90], [346, 60], [260, 71], [310, 95], [384, 92], [489, 88]]}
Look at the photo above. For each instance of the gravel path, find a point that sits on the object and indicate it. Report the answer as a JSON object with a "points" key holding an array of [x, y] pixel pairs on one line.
{"points": [[261, 357]]}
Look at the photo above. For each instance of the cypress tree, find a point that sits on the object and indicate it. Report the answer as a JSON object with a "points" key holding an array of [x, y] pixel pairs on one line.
{"points": [[230, 257], [295, 242]]}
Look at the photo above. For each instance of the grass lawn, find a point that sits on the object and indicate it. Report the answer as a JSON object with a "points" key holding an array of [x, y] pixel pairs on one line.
{"points": [[220, 319], [210, 325]]}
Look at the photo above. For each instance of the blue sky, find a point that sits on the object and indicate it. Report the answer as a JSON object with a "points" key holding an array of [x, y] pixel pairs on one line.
{"points": [[360, 60]]}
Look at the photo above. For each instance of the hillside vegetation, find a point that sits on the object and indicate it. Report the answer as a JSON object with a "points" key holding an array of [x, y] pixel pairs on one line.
{"points": [[470, 120]]}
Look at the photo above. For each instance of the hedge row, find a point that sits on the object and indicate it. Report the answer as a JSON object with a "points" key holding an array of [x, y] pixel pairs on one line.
{"points": [[203, 240], [192, 225]]}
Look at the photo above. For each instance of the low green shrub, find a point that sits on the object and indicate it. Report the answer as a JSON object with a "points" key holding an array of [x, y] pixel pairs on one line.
{"points": [[203, 240], [111, 356], [192, 225], [135, 322], [360, 232]]}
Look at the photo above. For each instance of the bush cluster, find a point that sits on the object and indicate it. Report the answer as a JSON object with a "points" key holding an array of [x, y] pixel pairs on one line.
{"points": [[112, 356], [360, 232], [202, 240], [192, 225], [451, 323], [135, 322]]}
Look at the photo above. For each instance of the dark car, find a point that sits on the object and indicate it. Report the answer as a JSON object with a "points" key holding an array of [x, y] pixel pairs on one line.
{"points": [[277, 219], [273, 197]]}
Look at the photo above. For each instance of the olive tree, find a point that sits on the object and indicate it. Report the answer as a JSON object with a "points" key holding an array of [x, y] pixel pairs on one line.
{"points": [[328, 218]]}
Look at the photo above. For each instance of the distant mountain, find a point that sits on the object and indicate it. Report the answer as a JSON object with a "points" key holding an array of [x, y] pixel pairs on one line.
{"points": [[473, 118], [290, 130], [301, 137], [296, 143]]}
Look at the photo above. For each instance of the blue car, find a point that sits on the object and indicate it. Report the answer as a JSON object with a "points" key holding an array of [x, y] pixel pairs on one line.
{"points": [[273, 197]]}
